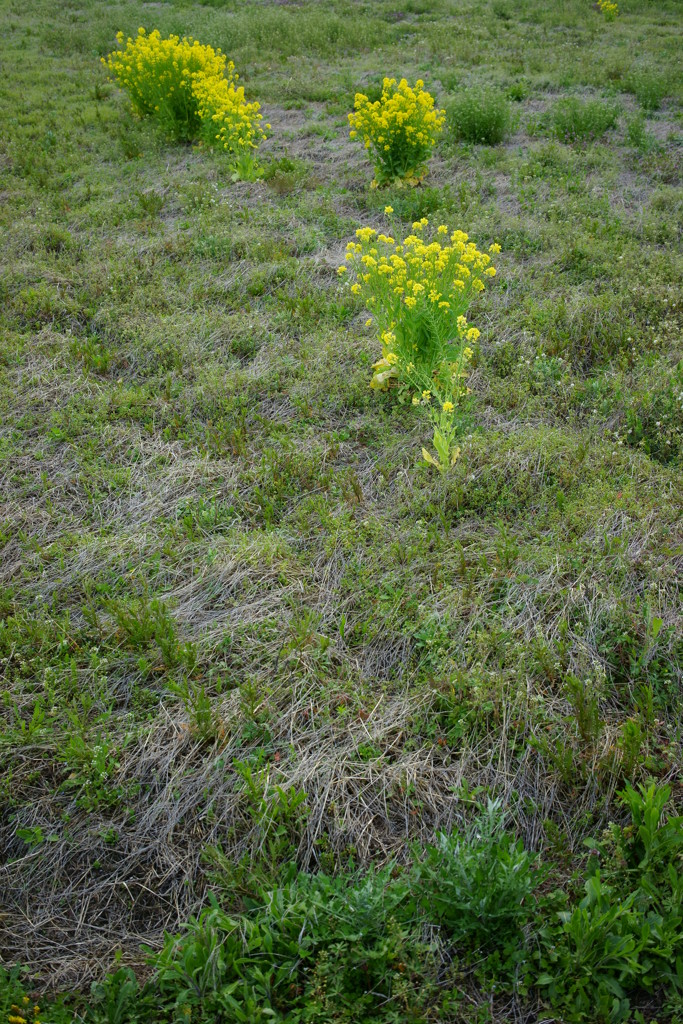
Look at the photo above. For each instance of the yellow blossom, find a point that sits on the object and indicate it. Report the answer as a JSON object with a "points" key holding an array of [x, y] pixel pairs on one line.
{"points": [[191, 89], [401, 128], [419, 290]]}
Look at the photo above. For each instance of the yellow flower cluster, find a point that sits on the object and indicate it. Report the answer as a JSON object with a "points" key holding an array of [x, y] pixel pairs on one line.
{"points": [[228, 121], [19, 1014], [400, 129], [188, 87], [608, 8], [418, 292]]}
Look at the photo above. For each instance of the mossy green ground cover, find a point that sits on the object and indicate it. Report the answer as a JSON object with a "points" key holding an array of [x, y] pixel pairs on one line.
{"points": [[241, 625]]}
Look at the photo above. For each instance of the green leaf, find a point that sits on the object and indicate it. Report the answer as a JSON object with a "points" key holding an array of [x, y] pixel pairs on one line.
{"points": [[430, 458]]}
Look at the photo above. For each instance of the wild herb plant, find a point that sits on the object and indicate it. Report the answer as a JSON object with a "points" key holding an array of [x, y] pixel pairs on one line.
{"points": [[575, 120], [479, 116], [400, 129], [478, 882], [648, 86], [626, 934], [189, 88], [418, 292], [638, 135]]}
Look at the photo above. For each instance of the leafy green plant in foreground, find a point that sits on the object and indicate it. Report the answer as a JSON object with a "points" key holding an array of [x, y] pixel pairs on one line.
{"points": [[477, 883], [364, 947], [626, 934]]}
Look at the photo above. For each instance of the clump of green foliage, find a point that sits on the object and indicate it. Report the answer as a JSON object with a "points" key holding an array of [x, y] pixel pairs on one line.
{"points": [[479, 116], [477, 883], [648, 86], [626, 934], [357, 946], [575, 120]]}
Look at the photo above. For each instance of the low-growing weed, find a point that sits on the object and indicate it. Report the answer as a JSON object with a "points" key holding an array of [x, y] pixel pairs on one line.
{"points": [[205, 723], [477, 883], [654, 419], [626, 933], [93, 770], [335, 949], [285, 175], [638, 135], [479, 116], [648, 87], [118, 999], [593, 958], [148, 622], [575, 120], [279, 815], [583, 697]]}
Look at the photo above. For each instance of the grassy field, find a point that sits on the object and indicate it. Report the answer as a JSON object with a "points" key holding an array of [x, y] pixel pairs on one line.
{"points": [[244, 627]]}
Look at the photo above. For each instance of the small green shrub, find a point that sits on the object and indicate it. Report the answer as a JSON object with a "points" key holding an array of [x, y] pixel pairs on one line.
{"points": [[574, 120], [626, 934], [648, 87], [479, 116], [638, 136], [476, 883]]}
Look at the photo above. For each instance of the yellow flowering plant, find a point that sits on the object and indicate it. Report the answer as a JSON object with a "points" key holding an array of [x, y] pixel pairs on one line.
{"points": [[190, 88], [418, 292], [227, 120], [609, 9], [21, 1014], [400, 130]]}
